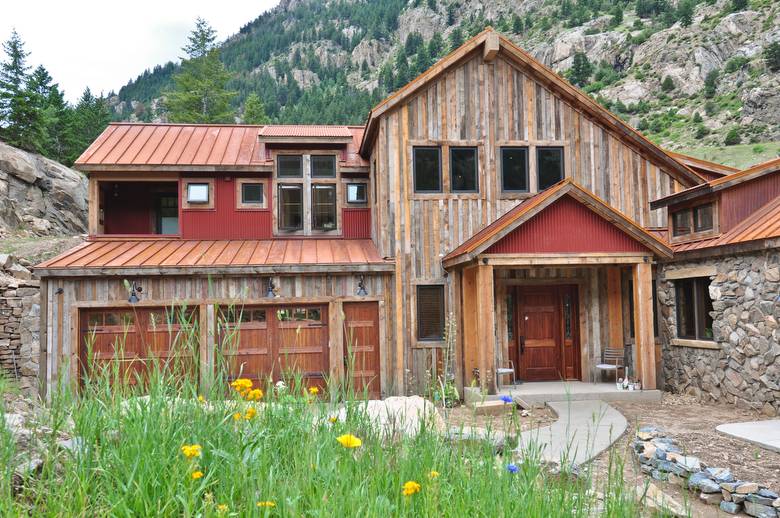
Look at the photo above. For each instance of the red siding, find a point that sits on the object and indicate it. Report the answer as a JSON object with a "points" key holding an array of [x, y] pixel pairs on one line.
{"points": [[224, 221], [738, 202], [356, 223], [566, 226]]}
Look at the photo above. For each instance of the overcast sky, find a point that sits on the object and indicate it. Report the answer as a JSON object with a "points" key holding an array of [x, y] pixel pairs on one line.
{"points": [[104, 44]]}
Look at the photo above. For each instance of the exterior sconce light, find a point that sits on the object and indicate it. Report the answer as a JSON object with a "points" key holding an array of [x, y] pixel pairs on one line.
{"points": [[135, 290], [271, 287], [361, 292]]}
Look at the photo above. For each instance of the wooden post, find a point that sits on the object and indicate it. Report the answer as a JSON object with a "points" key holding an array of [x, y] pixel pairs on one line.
{"points": [[336, 338], [469, 324], [207, 346], [486, 327], [644, 351], [615, 307], [93, 215]]}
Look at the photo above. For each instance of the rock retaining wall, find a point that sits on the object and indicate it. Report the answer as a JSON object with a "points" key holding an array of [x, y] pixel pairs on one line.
{"points": [[744, 368], [19, 323]]}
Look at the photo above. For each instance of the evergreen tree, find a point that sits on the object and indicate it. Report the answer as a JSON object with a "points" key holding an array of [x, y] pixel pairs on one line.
{"points": [[456, 38], [200, 93], [697, 118], [617, 15], [432, 5], [402, 74], [711, 84], [580, 71], [435, 46], [739, 5], [53, 123], [254, 110], [732, 137], [772, 56], [667, 85], [451, 14], [685, 12], [421, 61], [90, 118], [517, 24], [413, 42]]}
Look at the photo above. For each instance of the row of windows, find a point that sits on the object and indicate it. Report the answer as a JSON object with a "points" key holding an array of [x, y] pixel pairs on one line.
{"points": [[464, 169], [693, 220], [291, 166]]}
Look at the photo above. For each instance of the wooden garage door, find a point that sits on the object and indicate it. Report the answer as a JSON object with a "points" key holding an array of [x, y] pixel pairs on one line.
{"points": [[133, 340], [276, 342], [361, 346]]}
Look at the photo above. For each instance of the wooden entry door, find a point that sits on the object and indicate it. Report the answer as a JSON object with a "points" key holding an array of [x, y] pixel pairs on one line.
{"points": [[361, 347], [548, 347]]}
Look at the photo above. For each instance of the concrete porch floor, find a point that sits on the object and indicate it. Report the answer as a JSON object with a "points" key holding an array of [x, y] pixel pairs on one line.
{"points": [[546, 391]]}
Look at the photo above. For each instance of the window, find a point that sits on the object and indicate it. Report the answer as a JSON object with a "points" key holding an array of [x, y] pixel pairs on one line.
{"points": [[197, 193], [356, 193], [681, 222], [323, 203], [694, 220], [693, 304], [430, 312], [323, 166], [167, 214], [427, 169], [289, 166], [514, 169], [290, 207], [549, 164], [702, 218], [463, 169], [250, 193]]}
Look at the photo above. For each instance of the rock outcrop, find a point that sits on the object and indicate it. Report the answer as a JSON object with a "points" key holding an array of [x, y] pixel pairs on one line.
{"points": [[39, 196]]}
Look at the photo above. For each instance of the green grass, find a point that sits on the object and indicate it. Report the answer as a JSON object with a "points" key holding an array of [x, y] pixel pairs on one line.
{"points": [[740, 156]]}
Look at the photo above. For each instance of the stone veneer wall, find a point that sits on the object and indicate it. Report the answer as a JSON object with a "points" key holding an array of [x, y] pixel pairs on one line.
{"points": [[745, 369], [19, 323]]}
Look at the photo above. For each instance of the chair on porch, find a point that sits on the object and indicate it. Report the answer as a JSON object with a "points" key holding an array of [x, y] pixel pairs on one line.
{"points": [[612, 359], [505, 371]]}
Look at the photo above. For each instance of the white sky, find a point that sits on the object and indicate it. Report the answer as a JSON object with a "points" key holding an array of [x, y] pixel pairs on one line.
{"points": [[98, 44]]}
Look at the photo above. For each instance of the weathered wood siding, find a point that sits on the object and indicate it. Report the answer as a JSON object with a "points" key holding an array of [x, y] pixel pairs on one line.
{"points": [[485, 105]]}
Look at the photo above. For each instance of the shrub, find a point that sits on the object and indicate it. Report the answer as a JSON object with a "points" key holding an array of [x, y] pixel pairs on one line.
{"points": [[580, 71], [710, 108], [667, 85], [711, 84], [758, 149], [732, 137], [697, 118], [772, 56], [735, 64], [701, 131], [739, 5]]}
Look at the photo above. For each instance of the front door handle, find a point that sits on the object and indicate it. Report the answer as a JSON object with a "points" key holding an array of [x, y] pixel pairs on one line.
{"points": [[522, 345]]}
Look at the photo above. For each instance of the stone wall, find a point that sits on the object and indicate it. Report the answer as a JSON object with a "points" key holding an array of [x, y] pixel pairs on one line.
{"points": [[744, 369], [19, 323]]}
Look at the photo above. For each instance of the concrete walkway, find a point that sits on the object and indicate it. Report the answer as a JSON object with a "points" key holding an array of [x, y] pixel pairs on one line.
{"points": [[583, 430], [765, 434]]}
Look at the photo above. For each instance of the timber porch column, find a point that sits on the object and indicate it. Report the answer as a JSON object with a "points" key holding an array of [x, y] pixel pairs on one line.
{"points": [[479, 328], [644, 351]]}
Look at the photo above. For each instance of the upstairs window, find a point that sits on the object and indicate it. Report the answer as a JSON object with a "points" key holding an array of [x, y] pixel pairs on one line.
{"points": [[693, 304], [323, 166], [289, 166], [703, 218], [250, 193], [357, 193], [427, 169], [430, 312], [197, 193], [514, 169], [323, 202], [463, 169], [549, 164], [290, 207], [681, 222], [694, 221]]}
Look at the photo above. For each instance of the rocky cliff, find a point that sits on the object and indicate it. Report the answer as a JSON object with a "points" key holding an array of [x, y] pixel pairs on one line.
{"points": [[40, 197]]}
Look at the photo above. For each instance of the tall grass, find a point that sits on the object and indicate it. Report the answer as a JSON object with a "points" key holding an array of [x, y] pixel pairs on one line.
{"points": [[129, 460]]}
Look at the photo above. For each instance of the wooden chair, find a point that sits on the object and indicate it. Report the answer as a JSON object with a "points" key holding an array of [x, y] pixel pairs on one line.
{"points": [[504, 371], [612, 359]]}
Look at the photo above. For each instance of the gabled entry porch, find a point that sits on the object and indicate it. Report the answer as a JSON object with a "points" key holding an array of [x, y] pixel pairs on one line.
{"points": [[551, 284]]}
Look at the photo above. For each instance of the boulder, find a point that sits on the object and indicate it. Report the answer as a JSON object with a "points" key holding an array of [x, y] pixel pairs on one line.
{"points": [[730, 507], [759, 510], [400, 415]]}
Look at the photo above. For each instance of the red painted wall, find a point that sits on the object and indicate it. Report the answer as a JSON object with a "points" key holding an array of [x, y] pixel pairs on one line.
{"points": [[356, 223], [739, 202], [225, 221], [131, 211], [566, 226]]}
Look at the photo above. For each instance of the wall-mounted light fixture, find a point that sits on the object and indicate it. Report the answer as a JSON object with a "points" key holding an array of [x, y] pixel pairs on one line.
{"points": [[361, 292], [135, 291], [271, 288]]}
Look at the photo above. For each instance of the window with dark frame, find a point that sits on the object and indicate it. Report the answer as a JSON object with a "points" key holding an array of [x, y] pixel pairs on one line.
{"points": [[167, 216], [290, 207], [427, 169], [323, 166], [690, 220], [681, 222], [289, 166], [430, 312], [323, 206], [549, 165], [703, 218], [357, 193], [252, 194], [463, 169], [514, 169], [693, 305]]}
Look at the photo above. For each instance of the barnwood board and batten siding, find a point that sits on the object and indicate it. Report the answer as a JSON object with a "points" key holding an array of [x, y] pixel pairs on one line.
{"points": [[493, 103]]}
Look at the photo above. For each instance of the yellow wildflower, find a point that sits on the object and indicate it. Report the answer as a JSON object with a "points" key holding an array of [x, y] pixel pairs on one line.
{"points": [[411, 487], [349, 441], [191, 450], [201, 399], [237, 416], [242, 386], [250, 413], [314, 391], [333, 419], [433, 474], [222, 508], [254, 395], [196, 475], [266, 503]]}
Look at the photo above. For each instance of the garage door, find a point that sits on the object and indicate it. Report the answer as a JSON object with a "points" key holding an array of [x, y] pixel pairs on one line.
{"points": [[131, 341], [361, 346], [276, 342]]}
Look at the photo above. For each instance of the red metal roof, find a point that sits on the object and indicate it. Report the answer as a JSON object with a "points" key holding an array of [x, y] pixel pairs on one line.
{"points": [[173, 253], [290, 130]]}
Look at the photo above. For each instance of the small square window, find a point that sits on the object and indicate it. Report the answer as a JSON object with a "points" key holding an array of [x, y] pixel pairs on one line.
{"points": [[289, 166], [549, 162], [514, 169], [463, 169], [252, 193], [323, 166], [197, 193], [356, 193], [427, 169]]}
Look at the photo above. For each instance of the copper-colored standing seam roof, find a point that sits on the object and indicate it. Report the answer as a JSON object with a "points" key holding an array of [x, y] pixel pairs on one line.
{"points": [[705, 165], [300, 130], [194, 253], [762, 224]]}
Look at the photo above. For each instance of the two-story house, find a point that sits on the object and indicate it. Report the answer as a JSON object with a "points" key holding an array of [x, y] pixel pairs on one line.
{"points": [[488, 200]]}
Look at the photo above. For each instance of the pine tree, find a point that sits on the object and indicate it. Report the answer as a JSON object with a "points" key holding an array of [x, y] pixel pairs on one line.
{"points": [[254, 110], [435, 46], [668, 84], [90, 118], [580, 71], [739, 5], [711, 84], [617, 15], [50, 125], [456, 38], [200, 91], [685, 12], [517, 24], [772, 56], [402, 74]]}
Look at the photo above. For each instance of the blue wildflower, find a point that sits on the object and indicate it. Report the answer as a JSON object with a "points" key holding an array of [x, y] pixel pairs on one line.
{"points": [[506, 399], [512, 468]]}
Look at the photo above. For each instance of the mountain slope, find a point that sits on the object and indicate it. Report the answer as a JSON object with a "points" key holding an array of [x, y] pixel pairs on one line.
{"points": [[329, 61]]}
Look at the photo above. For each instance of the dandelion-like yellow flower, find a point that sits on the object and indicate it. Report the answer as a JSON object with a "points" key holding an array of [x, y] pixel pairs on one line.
{"points": [[242, 386], [332, 419], [222, 508], [349, 441], [433, 474], [266, 503], [254, 395], [250, 413], [201, 399], [196, 475], [314, 391], [411, 487], [237, 416], [191, 450]]}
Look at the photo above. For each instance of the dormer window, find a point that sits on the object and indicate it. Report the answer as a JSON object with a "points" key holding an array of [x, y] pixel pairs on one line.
{"points": [[694, 222]]}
